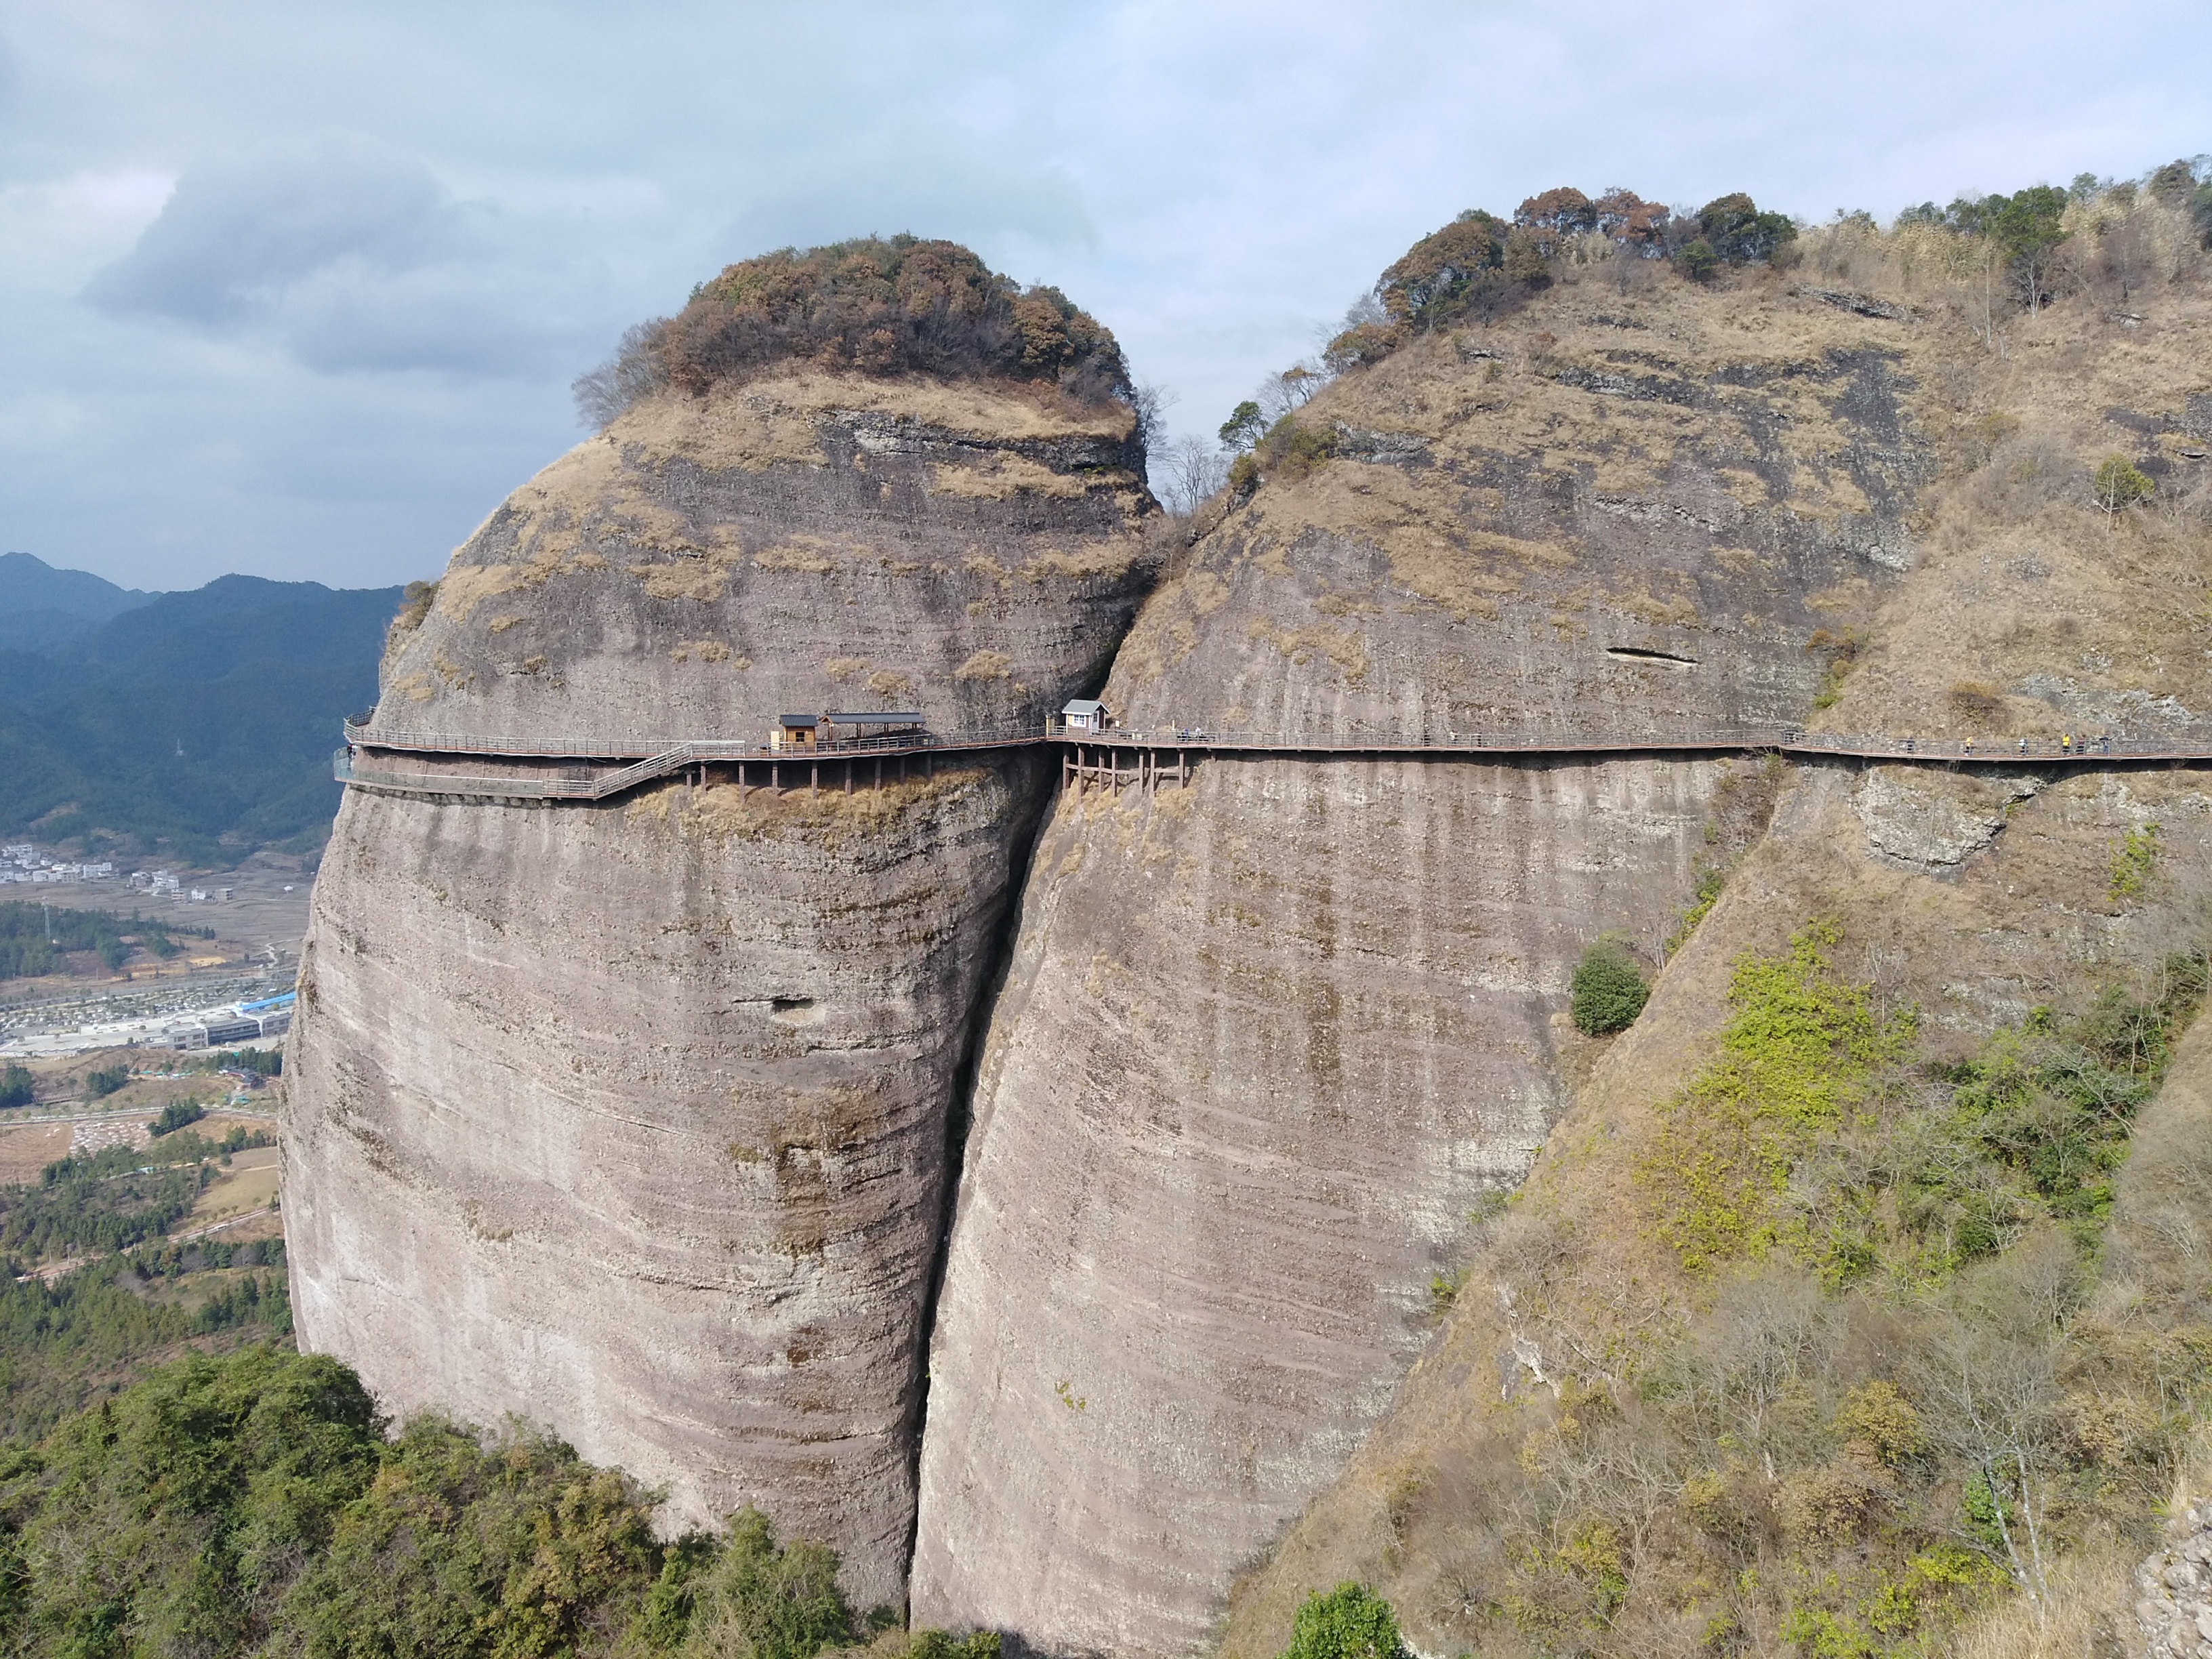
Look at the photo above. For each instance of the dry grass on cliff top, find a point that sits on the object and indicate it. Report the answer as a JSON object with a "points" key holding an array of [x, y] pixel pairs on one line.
{"points": [[2029, 609], [1613, 1451], [722, 811]]}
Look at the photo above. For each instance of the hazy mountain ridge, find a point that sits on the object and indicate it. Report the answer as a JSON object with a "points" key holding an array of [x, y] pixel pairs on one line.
{"points": [[201, 723], [41, 607]]}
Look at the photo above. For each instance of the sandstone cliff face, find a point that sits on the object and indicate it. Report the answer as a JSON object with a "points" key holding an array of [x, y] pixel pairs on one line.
{"points": [[798, 543], [1972, 899], [1618, 515], [1267, 1041], [631, 1118], [1577, 1270]]}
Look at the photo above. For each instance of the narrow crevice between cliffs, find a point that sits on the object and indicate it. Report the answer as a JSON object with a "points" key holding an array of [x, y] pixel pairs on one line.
{"points": [[960, 1118]]}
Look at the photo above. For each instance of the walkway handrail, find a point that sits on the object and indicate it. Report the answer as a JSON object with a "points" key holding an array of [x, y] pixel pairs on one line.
{"points": [[602, 747], [661, 760]]}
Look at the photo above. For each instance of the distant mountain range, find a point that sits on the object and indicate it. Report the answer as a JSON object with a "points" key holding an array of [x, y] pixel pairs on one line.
{"points": [[196, 726], [41, 607]]}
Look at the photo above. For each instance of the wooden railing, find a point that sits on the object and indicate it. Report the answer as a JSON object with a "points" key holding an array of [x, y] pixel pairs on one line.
{"points": [[653, 758]]}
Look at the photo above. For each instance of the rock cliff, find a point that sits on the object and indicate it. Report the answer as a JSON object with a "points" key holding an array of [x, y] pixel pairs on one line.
{"points": [[1230, 1131], [633, 1117], [636, 1118], [1539, 1479], [1268, 1041]]}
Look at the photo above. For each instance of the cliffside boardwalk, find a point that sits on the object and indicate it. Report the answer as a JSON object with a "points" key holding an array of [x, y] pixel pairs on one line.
{"points": [[1098, 756]]}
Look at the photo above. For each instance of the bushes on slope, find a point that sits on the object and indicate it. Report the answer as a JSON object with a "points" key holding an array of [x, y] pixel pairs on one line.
{"points": [[1350, 1622], [1897, 1393], [876, 306], [254, 1504], [1608, 990]]}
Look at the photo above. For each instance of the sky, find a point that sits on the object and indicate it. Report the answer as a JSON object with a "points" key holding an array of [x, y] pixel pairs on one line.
{"points": [[299, 289]]}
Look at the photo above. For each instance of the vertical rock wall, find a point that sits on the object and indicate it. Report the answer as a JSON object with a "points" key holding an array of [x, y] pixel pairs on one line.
{"points": [[1268, 1041], [1265, 1044], [630, 1118]]}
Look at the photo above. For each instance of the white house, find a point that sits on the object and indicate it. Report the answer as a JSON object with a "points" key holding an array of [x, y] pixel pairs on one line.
{"points": [[1084, 714]]}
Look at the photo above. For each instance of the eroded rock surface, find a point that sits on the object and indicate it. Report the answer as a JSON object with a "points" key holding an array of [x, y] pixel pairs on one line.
{"points": [[1268, 1041], [631, 1118], [2173, 1592], [1264, 1044]]}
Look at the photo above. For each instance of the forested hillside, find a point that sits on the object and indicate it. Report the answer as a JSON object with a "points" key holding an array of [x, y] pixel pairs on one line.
{"points": [[194, 726]]}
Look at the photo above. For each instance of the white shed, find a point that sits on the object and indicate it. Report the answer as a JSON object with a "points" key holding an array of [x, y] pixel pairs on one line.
{"points": [[1084, 714]]}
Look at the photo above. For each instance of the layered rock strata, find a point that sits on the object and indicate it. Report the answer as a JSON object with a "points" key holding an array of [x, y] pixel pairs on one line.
{"points": [[1973, 898], [631, 1118], [1268, 1041]]}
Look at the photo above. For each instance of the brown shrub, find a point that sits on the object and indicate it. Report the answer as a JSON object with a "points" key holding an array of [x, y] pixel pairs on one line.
{"points": [[1976, 705], [877, 306]]}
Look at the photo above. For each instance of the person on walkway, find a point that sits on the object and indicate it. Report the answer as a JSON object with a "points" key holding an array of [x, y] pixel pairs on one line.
{"points": [[1970, 749], [2023, 746]]}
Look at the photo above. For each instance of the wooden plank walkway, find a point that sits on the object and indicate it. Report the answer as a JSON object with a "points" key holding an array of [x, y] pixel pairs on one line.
{"points": [[1098, 756]]}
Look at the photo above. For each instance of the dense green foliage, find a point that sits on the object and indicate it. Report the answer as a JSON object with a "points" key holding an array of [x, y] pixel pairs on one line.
{"points": [[876, 306], [749, 1596], [1350, 1622], [64, 1344], [104, 1080], [192, 727], [111, 1200], [1479, 265], [36, 938], [1800, 1048], [17, 1087], [255, 1504], [103, 1201], [1608, 990], [176, 1115], [1739, 234]]}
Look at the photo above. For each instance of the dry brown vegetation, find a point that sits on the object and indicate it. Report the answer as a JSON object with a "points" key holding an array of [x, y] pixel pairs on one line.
{"points": [[875, 307], [1735, 1375]]}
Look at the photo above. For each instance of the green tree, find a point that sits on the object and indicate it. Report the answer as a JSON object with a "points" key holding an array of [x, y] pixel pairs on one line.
{"points": [[168, 1519], [765, 1603], [461, 1550], [176, 1115], [1698, 259], [106, 1080], [1243, 427], [1608, 992], [2119, 484], [1737, 232], [16, 1087], [1350, 1622], [2024, 230]]}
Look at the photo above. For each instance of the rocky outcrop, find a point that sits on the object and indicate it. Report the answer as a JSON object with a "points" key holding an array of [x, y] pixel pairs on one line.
{"points": [[1268, 1042], [1264, 1044], [632, 1118], [2173, 1592], [1973, 900]]}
